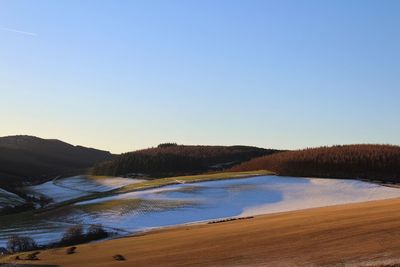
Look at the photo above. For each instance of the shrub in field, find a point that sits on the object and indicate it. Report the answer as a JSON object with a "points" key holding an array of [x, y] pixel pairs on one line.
{"points": [[3, 251], [118, 257], [71, 250], [16, 243], [73, 235], [96, 231], [32, 256]]}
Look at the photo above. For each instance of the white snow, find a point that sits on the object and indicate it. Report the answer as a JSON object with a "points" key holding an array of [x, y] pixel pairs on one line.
{"points": [[77, 186], [8, 199], [321, 193], [55, 192], [231, 198], [99, 184]]}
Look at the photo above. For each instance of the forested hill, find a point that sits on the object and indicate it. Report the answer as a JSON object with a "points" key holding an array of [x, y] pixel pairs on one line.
{"points": [[25, 159], [173, 159], [380, 162]]}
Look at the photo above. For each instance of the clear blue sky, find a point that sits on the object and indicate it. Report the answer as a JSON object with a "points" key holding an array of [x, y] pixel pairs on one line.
{"points": [[123, 75]]}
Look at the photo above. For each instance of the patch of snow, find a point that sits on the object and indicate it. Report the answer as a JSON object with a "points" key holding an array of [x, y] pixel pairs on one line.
{"points": [[8, 199], [64, 189], [320, 193], [55, 192], [111, 183]]}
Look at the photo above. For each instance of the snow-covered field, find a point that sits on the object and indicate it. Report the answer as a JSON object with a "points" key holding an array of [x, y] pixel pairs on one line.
{"points": [[64, 189], [95, 184], [8, 199], [187, 203]]}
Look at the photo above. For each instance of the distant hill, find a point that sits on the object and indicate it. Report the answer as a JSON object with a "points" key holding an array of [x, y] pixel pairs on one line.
{"points": [[172, 159], [381, 162], [27, 159]]}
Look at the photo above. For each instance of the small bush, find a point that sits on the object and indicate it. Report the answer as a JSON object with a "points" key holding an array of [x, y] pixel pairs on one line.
{"points": [[18, 243], [73, 235], [32, 256], [96, 231], [71, 250], [3, 251], [118, 257]]}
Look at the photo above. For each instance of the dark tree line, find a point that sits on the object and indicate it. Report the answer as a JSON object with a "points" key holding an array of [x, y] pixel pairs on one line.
{"points": [[381, 162], [171, 159]]}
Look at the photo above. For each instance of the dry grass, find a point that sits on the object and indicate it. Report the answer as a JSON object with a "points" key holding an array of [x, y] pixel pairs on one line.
{"points": [[363, 233]]}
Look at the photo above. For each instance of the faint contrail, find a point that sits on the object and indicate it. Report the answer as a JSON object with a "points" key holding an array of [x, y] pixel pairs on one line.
{"points": [[18, 31]]}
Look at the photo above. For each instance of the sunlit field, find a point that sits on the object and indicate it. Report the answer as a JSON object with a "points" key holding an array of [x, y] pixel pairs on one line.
{"points": [[189, 200]]}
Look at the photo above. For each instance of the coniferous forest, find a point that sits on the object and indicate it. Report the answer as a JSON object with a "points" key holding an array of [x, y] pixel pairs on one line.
{"points": [[172, 159], [381, 162]]}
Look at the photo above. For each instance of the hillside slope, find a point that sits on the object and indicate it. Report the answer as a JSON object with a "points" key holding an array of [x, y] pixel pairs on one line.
{"points": [[27, 159], [349, 161], [362, 234], [172, 159]]}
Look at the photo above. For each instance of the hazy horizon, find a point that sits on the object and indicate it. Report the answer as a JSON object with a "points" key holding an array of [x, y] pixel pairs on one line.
{"points": [[126, 75]]}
